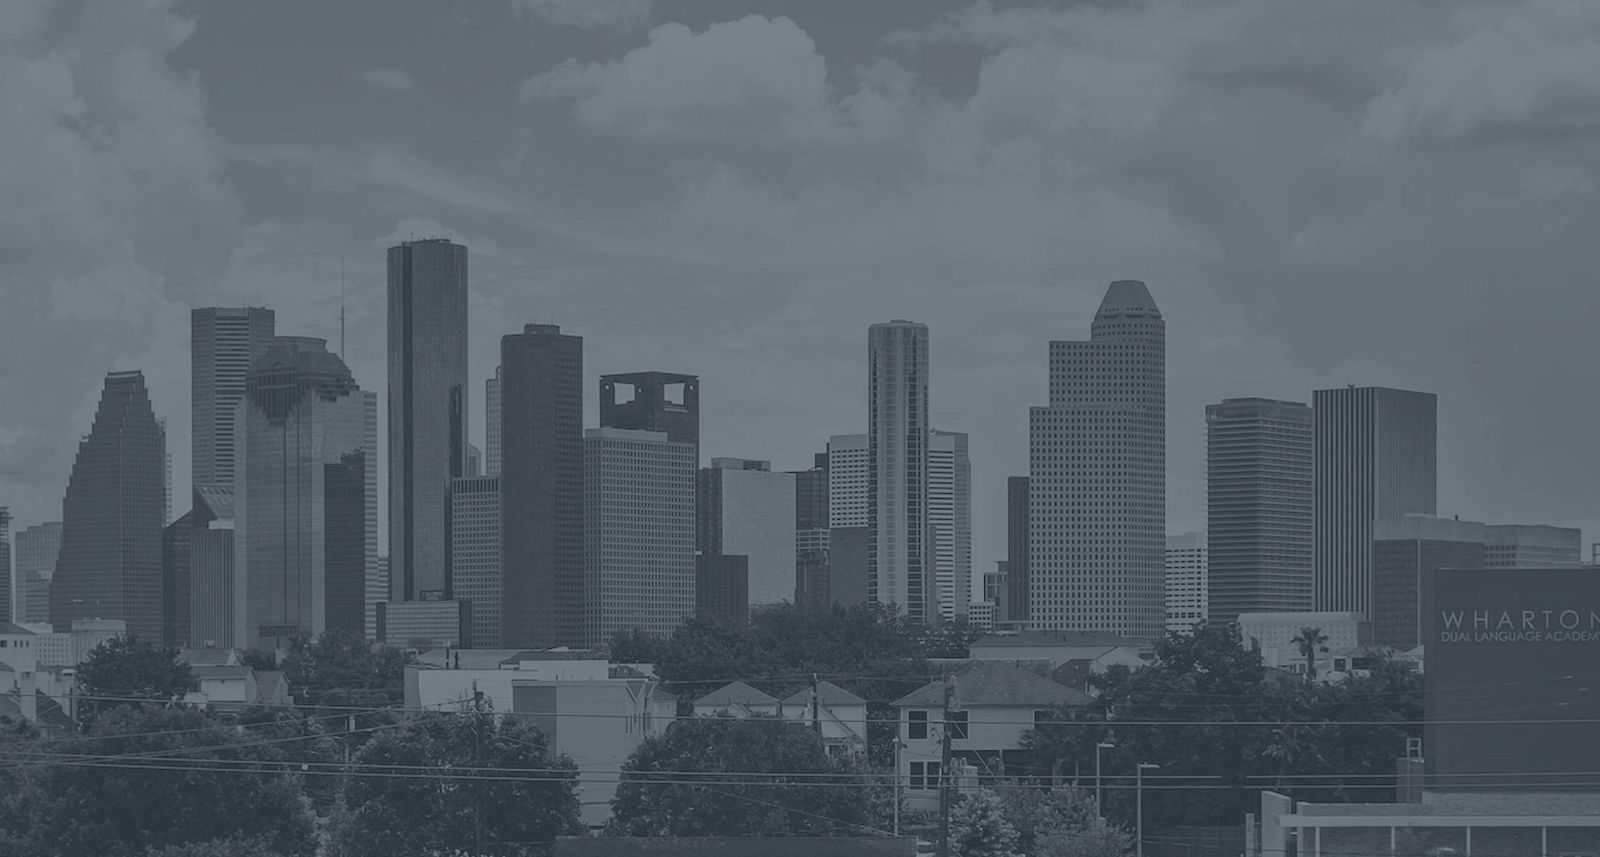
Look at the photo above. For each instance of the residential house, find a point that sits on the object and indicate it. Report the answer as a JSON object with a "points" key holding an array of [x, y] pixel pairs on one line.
{"points": [[17, 649], [840, 715], [992, 707], [25, 701], [736, 700]]}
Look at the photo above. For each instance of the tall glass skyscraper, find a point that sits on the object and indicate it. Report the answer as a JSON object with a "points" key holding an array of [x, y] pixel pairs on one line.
{"points": [[427, 411], [1097, 486], [223, 343], [112, 516], [1258, 507], [38, 548], [491, 423], [899, 565], [950, 521], [302, 538], [541, 462], [1376, 459]]}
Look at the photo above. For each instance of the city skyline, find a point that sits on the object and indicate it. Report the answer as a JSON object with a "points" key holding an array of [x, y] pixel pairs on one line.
{"points": [[1277, 285]]}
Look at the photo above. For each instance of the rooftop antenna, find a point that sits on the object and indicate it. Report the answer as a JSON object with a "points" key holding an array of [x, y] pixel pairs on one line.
{"points": [[341, 307]]}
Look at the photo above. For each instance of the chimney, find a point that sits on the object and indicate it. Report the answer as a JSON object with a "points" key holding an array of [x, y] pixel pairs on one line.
{"points": [[28, 697]]}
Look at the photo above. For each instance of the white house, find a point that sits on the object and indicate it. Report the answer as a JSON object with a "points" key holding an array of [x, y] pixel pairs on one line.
{"points": [[736, 700], [992, 707], [17, 649], [840, 715]]}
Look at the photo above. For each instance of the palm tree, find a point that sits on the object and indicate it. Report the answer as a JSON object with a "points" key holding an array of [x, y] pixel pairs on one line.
{"points": [[1310, 641]]}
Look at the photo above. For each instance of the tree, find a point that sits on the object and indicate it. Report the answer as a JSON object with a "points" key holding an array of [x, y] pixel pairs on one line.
{"points": [[126, 670], [420, 785], [153, 778], [259, 660], [1097, 839], [1310, 641], [725, 776], [1039, 812], [233, 847], [979, 827], [344, 668]]}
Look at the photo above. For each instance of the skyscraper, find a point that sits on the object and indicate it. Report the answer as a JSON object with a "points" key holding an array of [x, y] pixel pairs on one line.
{"points": [[111, 517], [1507, 546], [223, 343], [212, 581], [813, 587], [1186, 582], [303, 544], [1097, 483], [8, 582], [1405, 551], [1016, 595], [744, 509], [950, 521], [1375, 453], [491, 423], [476, 554], [542, 478], [176, 557], [427, 411], [899, 567], [1258, 507], [638, 528], [849, 532], [653, 401], [37, 548]]}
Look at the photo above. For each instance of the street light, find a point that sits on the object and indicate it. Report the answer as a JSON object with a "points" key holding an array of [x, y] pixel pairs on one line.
{"points": [[1099, 786], [1139, 797]]}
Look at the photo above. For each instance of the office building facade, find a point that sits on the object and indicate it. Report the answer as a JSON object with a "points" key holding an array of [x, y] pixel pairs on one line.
{"points": [[542, 485], [427, 411], [1016, 594], [212, 582], [849, 534], [491, 423], [811, 536], [899, 562], [37, 549], [303, 541], [745, 509], [664, 402], [1186, 582], [1258, 507], [1404, 552], [1097, 475], [639, 533], [111, 518], [475, 544], [950, 522], [223, 343], [1528, 546], [1375, 454]]}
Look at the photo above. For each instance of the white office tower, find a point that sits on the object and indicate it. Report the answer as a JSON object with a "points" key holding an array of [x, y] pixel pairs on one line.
{"points": [[639, 533], [1187, 582], [744, 509], [1097, 489], [899, 565], [950, 521]]}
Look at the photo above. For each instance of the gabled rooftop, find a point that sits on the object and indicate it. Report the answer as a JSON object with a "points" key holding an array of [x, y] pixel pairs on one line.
{"points": [[737, 693], [991, 683], [828, 693]]}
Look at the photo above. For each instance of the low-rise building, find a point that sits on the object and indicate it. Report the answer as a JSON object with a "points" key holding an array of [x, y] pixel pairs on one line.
{"points": [[1274, 634], [840, 715], [992, 708], [736, 699]]}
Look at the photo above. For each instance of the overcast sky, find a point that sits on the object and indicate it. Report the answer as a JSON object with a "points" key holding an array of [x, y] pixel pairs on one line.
{"points": [[1364, 192]]}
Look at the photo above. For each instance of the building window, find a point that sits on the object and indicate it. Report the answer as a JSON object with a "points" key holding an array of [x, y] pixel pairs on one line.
{"points": [[924, 775], [917, 725], [958, 725]]}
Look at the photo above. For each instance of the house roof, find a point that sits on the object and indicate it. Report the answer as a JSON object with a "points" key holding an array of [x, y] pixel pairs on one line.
{"points": [[218, 671], [737, 693], [988, 683], [267, 684], [208, 657], [1085, 639], [51, 714], [828, 693]]}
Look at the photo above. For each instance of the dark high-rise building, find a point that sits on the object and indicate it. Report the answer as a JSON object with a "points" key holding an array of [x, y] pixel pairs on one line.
{"points": [[744, 509], [1376, 459], [427, 411], [1016, 593], [542, 478], [37, 548], [303, 541], [11, 584], [111, 517], [492, 423], [1097, 489], [1258, 507], [722, 587], [176, 557], [900, 564], [211, 578], [1405, 551], [811, 540], [653, 401], [223, 343]]}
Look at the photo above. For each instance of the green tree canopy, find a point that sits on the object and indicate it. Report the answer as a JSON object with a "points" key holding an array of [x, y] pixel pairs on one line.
{"points": [[126, 670], [345, 668], [725, 776], [979, 827], [416, 789], [155, 778]]}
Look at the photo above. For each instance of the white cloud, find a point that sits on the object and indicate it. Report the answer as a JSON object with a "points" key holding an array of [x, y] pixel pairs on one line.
{"points": [[392, 79], [586, 14], [1519, 69]]}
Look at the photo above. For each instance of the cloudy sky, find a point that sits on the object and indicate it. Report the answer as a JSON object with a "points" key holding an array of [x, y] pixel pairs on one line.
{"points": [[1363, 192]]}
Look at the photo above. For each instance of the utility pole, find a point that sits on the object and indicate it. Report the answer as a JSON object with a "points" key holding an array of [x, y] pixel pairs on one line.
{"points": [[944, 770], [477, 759]]}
